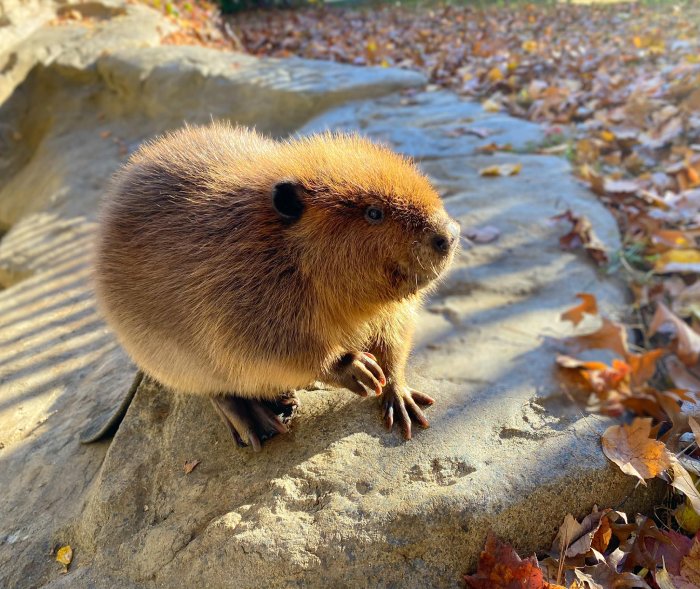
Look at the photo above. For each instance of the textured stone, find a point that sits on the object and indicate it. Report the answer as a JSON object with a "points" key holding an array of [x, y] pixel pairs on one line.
{"points": [[338, 501]]}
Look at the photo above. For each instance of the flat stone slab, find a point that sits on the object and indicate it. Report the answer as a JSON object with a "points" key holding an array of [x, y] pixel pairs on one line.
{"points": [[338, 501]]}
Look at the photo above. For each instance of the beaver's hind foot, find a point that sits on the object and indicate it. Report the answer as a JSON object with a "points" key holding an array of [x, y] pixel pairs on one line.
{"points": [[251, 421]]}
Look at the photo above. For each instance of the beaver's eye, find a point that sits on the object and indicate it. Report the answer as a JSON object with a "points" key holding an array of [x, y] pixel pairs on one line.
{"points": [[374, 214]]}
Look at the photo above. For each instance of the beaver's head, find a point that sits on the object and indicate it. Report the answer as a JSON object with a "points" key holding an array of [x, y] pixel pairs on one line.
{"points": [[378, 228]]}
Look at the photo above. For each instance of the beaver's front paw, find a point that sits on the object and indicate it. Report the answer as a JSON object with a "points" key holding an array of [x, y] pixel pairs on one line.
{"points": [[359, 372], [401, 404]]}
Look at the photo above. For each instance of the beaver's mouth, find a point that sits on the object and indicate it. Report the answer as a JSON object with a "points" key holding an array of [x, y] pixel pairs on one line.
{"points": [[410, 279]]}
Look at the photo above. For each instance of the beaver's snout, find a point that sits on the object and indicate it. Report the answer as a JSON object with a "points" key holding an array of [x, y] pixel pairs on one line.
{"points": [[444, 240]]}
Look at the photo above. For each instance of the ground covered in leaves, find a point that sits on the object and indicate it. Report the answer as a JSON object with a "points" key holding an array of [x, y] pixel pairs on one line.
{"points": [[618, 87]]}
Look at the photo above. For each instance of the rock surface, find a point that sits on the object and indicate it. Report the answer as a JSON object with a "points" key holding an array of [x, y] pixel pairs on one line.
{"points": [[338, 501]]}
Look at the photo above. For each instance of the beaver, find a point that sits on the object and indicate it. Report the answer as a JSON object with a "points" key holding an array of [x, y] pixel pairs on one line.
{"points": [[240, 267]]}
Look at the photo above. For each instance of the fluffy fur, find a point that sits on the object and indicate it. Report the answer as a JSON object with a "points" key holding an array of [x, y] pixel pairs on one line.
{"points": [[211, 291]]}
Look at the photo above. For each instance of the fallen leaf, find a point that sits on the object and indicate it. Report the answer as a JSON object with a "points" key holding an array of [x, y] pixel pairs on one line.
{"points": [[690, 565], [588, 305], [687, 518], [678, 260], [683, 481], [695, 428], [501, 170], [190, 465], [689, 577], [485, 234], [671, 550], [687, 346], [582, 235], [663, 579], [601, 576], [609, 336], [500, 567], [631, 448], [681, 376], [573, 538], [64, 555], [643, 366], [494, 147]]}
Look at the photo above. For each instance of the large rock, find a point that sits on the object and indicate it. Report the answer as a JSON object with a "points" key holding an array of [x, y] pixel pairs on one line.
{"points": [[338, 501]]}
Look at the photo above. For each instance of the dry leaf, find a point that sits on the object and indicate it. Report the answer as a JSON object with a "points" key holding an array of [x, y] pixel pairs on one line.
{"points": [[678, 260], [681, 376], [663, 579], [576, 538], [582, 235], [689, 577], [643, 366], [588, 305], [485, 234], [500, 567], [631, 448], [695, 428], [609, 336], [683, 481], [190, 465], [687, 518], [601, 576], [687, 341], [64, 555], [501, 170], [690, 565], [672, 550]]}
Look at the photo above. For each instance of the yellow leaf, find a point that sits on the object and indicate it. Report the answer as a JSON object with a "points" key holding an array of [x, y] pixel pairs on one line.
{"points": [[495, 75], [608, 136], [687, 260], [687, 518], [501, 170], [530, 46], [491, 105], [64, 555], [631, 448]]}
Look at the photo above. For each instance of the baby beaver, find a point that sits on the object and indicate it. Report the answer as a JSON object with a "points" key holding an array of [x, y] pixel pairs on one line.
{"points": [[238, 267]]}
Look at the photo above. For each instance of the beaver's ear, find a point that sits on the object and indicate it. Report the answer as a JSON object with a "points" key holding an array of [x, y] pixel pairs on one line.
{"points": [[286, 200]]}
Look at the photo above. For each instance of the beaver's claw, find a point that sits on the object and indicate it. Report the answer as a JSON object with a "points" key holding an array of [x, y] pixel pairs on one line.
{"points": [[251, 422], [359, 372], [401, 404]]}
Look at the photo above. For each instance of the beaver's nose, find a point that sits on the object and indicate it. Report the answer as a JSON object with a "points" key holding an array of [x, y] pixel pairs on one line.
{"points": [[444, 240]]}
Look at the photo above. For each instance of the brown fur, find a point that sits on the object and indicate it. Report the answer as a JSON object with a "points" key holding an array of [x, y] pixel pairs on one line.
{"points": [[211, 292]]}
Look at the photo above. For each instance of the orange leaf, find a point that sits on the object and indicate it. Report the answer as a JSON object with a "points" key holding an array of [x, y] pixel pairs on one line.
{"points": [[610, 336], [643, 365], [500, 567], [190, 465], [631, 448], [588, 305]]}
